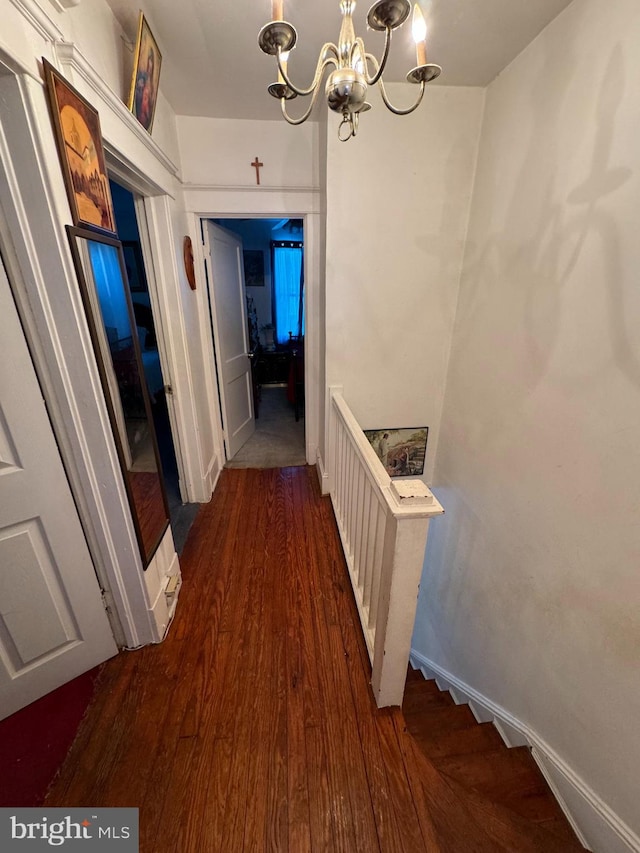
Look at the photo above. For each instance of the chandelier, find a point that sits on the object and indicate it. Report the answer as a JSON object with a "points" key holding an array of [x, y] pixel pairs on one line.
{"points": [[354, 70]]}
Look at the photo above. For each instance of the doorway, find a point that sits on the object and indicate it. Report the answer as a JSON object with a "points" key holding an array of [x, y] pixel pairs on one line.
{"points": [[182, 515], [274, 298]]}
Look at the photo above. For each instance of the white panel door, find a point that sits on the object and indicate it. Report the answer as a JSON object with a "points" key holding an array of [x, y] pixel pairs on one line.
{"points": [[53, 626], [230, 329]]}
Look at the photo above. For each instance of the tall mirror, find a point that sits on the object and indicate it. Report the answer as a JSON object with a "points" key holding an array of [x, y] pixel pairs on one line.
{"points": [[99, 262]]}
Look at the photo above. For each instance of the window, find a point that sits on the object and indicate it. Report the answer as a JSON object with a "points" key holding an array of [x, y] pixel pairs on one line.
{"points": [[288, 284]]}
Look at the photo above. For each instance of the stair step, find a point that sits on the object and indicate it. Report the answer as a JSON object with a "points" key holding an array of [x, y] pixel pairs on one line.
{"points": [[432, 721], [443, 814], [516, 832], [503, 789], [414, 675], [481, 737], [509, 777], [416, 698]]}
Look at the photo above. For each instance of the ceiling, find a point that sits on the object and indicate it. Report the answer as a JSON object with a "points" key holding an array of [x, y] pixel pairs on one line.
{"points": [[212, 65]]}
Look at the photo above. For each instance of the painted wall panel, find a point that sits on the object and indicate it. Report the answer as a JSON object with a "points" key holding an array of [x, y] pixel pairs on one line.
{"points": [[398, 198], [531, 587]]}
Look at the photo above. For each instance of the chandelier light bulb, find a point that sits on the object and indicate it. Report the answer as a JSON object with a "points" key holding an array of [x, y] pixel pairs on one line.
{"points": [[419, 32]]}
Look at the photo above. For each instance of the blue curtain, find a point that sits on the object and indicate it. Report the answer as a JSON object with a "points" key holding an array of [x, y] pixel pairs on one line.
{"points": [[107, 275], [287, 263]]}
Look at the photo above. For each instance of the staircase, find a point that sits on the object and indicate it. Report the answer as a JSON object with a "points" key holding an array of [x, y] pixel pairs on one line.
{"points": [[502, 789]]}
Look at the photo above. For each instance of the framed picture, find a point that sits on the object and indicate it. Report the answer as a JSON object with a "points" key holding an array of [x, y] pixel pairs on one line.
{"points": [[77, 128], [253, 268], [135, 266], [143, 94], [401, 450]]}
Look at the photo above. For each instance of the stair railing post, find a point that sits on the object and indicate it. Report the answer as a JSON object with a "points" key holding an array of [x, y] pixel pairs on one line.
{"points": [[331, 431], [397, 608]]}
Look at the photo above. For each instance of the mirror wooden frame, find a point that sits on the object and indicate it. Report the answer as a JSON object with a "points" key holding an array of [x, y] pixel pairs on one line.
{"points": [[150, 522]]}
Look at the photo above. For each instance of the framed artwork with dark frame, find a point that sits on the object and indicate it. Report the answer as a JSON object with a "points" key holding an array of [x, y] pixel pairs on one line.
{"points": [[77, 129], [253, 267], [135, 266], [143, 92], [401, 450]]}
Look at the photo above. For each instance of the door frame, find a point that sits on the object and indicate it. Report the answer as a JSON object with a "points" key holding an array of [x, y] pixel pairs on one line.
{"points": [[144, 194], [250, 204]]}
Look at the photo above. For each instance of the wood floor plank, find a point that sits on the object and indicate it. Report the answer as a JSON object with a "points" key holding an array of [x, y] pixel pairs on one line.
{"points": [[358, 783], [320, 828], [264, 707], [395, 814]]}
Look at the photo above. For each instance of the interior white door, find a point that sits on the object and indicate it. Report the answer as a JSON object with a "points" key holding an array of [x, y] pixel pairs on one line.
{"points": [[53, 625], [231, 335]]}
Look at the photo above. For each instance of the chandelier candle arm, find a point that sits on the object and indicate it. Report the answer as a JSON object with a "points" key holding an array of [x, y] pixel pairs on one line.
{"points": [[371, 81], [323, 62], [307, 113], [395, 110], [277, 10]]}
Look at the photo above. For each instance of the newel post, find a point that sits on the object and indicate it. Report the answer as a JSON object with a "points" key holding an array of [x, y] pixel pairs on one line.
{"points": [[412, 505]]}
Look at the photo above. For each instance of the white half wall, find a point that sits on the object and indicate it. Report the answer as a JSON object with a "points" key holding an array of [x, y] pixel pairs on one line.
{"points": [[397, 209], [531, 587]]}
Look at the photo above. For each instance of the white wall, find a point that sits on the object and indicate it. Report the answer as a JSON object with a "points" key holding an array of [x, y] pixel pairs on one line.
{"points": [[219, 152], [531, 587], [397, 209]]}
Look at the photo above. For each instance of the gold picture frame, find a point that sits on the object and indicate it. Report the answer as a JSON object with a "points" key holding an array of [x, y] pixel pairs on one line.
{"points": [[402, 450], [79, 139], [143, 92]]}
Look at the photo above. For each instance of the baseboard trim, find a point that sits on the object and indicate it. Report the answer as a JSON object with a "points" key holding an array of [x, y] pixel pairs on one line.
{"points": [[323, 476], [597, 826], [210, 479]]}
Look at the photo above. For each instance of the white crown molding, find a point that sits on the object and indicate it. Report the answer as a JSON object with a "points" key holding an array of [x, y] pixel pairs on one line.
{"points": [[38, 19], [70, 57], [63, 5], [245, 189], [208, 200], [587, 813]]}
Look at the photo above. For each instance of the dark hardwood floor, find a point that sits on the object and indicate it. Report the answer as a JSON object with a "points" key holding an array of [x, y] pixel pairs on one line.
{"points": [[252, 727]]}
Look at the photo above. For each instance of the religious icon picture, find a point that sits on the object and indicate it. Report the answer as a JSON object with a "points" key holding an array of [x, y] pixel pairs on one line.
{"points": [[143, 94], [253, 267], [401, 450], [77, 128]]}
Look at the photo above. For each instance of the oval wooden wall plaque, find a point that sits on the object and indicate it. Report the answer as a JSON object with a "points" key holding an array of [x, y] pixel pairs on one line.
{"points": [[189, 268]]}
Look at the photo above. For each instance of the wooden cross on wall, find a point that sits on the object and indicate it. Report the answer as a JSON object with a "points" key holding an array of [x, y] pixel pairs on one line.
{"points": [[256, 165]]}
